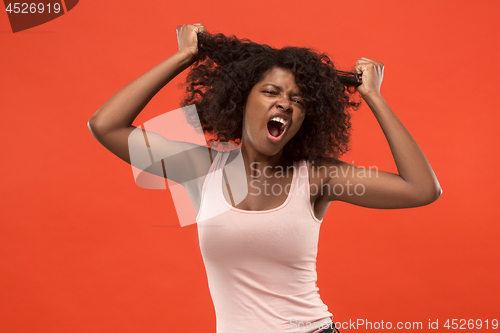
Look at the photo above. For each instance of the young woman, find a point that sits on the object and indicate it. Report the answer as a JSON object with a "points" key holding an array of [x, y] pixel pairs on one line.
{"points": [[288, 110]]}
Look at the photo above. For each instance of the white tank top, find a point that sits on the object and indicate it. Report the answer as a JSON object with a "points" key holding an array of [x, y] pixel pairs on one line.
{"points": [[261, 265]]}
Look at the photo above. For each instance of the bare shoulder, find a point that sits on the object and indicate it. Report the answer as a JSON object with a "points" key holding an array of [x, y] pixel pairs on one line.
{"points": [[330, 177], [322, 172], [319, 175]]}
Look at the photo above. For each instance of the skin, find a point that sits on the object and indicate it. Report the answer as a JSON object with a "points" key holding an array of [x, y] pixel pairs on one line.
{"points": [[277, 92], [414, 185]]}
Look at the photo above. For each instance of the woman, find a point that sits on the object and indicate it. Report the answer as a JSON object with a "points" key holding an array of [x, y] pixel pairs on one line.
{"points": [[289, 111]]}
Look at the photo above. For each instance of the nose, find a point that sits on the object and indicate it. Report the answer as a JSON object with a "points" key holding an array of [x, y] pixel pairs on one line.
{"points": [[284, 104]]}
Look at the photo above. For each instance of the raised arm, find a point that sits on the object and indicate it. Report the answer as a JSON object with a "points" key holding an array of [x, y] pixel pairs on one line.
{"points": [[414, 185], [112, 126]]}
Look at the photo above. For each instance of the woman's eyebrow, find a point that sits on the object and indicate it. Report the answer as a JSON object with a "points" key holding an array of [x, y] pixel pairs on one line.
{"points": [[273, 85], [279, 88]]}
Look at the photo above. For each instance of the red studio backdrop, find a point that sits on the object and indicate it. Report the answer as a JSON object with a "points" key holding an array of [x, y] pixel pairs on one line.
{"points": [[84, 249]]}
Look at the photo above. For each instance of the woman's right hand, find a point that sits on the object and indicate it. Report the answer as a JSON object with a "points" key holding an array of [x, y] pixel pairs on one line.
{"points": [[187, 38]]}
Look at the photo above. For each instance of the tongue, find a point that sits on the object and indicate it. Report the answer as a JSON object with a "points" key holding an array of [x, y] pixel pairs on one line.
{"points": [[273, 128]]}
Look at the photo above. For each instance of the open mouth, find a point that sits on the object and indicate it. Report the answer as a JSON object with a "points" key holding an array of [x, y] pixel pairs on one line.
{"points": [[276, 126]]}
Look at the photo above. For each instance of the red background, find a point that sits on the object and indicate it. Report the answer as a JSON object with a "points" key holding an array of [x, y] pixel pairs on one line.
{"points": [[86, 250]]}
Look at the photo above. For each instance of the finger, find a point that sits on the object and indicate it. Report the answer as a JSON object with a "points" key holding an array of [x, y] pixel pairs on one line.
{"points": [[364, 67], [182, 28], [201, 28], [362, 62], [367, 59], [370, 61], [198, 27], [370, 66]]}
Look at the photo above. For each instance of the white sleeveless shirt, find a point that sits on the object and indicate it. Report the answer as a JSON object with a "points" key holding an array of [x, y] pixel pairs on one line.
{"points": [[261, 265]]}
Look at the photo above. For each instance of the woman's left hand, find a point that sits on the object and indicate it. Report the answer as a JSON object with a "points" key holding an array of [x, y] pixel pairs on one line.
{"points": [[372, 74]]}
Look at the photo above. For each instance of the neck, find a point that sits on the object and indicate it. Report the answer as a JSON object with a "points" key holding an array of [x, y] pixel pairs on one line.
{"points": [[256, 162]]}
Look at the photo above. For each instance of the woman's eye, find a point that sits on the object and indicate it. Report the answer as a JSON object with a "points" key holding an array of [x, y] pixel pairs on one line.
{"points": [[270, 92], [298, 101]]}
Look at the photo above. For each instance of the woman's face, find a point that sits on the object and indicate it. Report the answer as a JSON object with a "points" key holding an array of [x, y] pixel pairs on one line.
{"points": [[274, 112]]}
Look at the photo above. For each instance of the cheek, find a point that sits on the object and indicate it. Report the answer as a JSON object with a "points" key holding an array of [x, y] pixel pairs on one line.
{"points": [[300, 124], [249, 118], [250, 122], [299, 121], [296, 128], [254, 115]]}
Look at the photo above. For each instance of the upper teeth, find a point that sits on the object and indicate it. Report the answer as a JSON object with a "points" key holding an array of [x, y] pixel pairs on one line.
{"points": [[280, 120]]}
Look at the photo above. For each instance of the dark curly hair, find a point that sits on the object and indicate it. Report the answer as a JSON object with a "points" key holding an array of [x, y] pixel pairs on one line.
{"points": [[220, 81]]}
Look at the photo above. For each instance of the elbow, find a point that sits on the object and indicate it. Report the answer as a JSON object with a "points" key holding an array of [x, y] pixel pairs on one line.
{"points": [[98, 124], [439, 191], [430, 195], [93, 127], [92, 123], [95, 123], [435, 194], [436, 190]]}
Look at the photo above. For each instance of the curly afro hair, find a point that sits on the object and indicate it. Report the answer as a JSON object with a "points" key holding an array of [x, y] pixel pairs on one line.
{"points": [[220, 81]]}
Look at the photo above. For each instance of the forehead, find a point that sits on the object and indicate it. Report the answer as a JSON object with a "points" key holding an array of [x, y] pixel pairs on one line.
{"points": [[284, 78]]}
